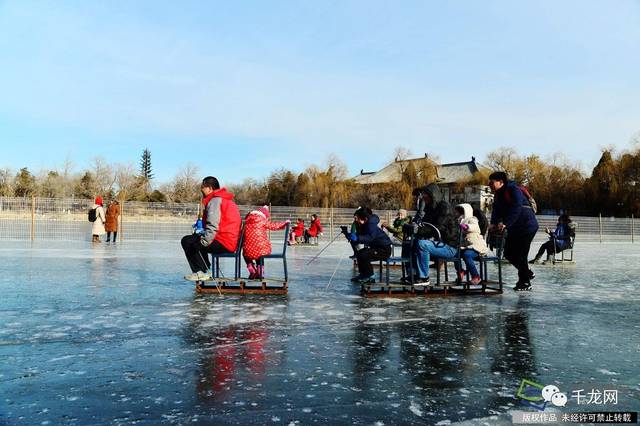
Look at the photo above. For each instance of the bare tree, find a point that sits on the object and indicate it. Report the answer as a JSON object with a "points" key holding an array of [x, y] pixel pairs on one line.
{"points": [[67, 181], [125, 179], [185, 184], [401, 153], [6, 182], [104, 176]]}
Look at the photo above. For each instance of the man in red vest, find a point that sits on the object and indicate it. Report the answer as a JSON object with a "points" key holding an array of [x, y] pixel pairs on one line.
{"points": [[221, 229]]}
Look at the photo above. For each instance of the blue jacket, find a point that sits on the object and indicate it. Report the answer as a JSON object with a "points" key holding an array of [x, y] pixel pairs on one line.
{"points": [[511, 207], [371, 235], [562, 235]]}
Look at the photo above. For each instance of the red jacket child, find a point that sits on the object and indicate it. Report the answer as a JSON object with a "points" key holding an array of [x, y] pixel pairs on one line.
{"points": [[256, 239], [298, 230]]}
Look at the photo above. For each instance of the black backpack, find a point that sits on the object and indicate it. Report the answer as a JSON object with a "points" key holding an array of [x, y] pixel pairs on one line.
{"points": [[92, 215]]}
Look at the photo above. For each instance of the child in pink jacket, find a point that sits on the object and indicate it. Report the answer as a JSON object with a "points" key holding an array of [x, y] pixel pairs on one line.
{"points": [[256, 239]]}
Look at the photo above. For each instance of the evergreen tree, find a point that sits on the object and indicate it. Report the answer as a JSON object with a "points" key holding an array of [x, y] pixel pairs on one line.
{"points": [[25, 183], [86, 186], [145, 165]]}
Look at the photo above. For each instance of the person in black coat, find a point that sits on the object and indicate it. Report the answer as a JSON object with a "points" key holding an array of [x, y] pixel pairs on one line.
{"points": [[376, 241], [513, 211], [436, 231]]}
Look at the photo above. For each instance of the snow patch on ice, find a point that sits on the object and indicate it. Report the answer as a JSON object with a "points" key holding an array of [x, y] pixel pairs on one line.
{"points": [[415, 409]]}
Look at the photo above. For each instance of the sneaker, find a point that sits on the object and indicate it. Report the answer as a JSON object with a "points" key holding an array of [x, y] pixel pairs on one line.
{"points": [[522, 286], [354, 257], [422, 282], [407, 280], [367, 280], [532, 275], [198, 276], [476, 280]]}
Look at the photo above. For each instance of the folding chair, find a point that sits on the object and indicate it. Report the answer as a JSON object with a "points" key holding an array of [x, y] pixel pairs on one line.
{"points": [[282, 255], [483, 261], [215, 258], [404, 259]]}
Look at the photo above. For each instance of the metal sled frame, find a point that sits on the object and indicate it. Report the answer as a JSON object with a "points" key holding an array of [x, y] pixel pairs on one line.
{"points": [[240, 285], [442, 287]]}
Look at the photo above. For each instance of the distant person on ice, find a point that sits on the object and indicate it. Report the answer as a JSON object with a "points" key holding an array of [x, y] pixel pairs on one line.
{"points": [[97, 228], [256, 239], [565, 230], [297, 233], [513, 211], [113, 219], [221, 224], [315, 228]]}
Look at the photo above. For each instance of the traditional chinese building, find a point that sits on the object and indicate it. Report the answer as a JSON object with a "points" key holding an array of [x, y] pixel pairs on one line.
{"points": [[448, 177]]}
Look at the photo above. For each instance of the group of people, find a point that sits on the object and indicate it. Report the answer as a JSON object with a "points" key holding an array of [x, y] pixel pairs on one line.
{"points": [[439, 231], [220, 229], [104, 222], [301, 234], [436, 231]]}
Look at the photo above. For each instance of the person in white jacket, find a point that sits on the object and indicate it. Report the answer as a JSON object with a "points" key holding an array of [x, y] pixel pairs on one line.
{"points": [[98, 225], [473, 243]]}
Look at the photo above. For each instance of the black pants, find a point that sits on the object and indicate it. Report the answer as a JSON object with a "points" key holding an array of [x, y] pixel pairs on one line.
{"points": [[366, 255], [115, 235], [354, 247], [548, 246], [197, 254], [516, 251]]}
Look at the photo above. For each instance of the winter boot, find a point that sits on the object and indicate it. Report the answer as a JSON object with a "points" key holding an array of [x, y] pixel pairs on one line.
{"points": [[252, 270]]}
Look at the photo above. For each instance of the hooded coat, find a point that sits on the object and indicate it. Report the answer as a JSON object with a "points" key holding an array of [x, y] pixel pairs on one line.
{"points": [[372, 235], [472, 238], [439, 214], [256, 238]]}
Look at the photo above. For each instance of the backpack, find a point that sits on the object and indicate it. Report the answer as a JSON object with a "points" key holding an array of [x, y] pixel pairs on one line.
{"points": [[530, 199], [92, 215]]}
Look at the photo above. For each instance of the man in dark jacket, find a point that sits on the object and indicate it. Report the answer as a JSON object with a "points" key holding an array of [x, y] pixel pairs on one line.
{"points": [[378, 244], [221, 221], [434, 213], [512, 211]]}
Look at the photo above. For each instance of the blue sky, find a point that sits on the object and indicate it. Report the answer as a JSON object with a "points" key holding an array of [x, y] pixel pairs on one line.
{"points": [[243, 88]]}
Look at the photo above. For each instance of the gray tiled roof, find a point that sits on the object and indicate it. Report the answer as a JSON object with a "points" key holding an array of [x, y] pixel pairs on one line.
{"points": [[447, 173]]}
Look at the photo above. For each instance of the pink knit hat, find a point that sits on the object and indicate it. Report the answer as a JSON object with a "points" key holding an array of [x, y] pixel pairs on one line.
{"points": [[265, 211]]}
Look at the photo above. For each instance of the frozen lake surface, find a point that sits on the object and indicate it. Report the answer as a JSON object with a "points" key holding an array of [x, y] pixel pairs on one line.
{"points": [[114, 335]]}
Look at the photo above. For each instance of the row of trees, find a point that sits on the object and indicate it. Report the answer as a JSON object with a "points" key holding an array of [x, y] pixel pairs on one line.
{"points": [[557, 183], [612, 188], [117, 180]]}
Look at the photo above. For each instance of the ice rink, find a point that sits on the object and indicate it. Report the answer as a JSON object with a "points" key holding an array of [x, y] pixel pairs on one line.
{"points": [[112, 334]]}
